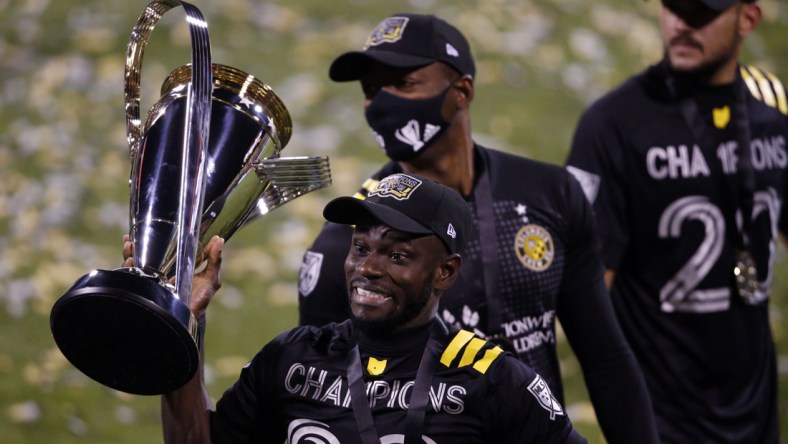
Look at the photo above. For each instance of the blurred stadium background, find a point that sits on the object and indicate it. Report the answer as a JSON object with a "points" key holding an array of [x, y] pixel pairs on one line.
{"points": [[64, 162]]}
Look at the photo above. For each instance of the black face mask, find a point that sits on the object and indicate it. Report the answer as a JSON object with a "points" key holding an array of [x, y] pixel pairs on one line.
{"points": [[405, 128]]}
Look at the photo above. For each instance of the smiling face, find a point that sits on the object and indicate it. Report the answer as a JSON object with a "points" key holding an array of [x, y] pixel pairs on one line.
{"points": [[395, 279], [703, 42]]}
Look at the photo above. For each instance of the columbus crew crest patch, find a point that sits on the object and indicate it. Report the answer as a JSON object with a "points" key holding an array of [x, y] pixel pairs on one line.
{"points": [[534, 247]]}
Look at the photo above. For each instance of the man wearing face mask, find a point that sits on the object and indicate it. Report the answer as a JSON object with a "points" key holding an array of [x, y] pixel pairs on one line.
{"points": [[533, 254]]}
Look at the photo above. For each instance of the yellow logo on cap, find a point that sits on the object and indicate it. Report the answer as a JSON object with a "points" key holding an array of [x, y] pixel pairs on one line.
{"points": [[398, 186], [376, 367], [534, 247], [388, 31], [721, 116]]}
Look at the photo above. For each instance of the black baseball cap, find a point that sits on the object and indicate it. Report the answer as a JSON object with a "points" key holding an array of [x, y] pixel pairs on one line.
{"points": [[721, 5], [411, 204], [407, 41]]}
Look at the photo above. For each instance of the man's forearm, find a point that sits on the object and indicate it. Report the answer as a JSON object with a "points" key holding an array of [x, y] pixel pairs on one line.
{"points": [[185, 413]]}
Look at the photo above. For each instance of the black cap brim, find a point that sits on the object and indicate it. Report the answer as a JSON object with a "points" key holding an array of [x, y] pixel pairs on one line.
{"points": [[718, 5], [355, 64], [351, 211]]}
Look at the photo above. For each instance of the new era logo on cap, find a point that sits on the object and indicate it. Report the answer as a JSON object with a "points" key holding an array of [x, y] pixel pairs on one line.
{"points": [[411, 204]]}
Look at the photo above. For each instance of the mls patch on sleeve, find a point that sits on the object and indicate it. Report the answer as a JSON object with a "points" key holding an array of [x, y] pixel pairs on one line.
{"points": [[538, 387], [310, 272], [588, 181]]}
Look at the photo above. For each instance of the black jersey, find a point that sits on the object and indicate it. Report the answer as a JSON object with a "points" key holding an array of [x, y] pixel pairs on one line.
{"points": [[664, 202], [296, 388], [545, 263]]}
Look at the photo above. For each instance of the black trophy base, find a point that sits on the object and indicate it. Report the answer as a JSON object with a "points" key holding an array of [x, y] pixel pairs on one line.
{"points": [[126, 331]]}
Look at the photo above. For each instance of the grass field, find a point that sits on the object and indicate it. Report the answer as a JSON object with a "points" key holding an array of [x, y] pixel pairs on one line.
{"points": [[64, 162]]}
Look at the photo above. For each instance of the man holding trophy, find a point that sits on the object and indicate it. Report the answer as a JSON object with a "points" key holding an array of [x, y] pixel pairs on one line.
{"points": [[394, 373]]}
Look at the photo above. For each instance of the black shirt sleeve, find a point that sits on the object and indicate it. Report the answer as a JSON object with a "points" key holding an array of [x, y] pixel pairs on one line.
{"points": [[612, 374], [782, 224], [322, 293], [246, 412], [523, 409], [595, 161]]}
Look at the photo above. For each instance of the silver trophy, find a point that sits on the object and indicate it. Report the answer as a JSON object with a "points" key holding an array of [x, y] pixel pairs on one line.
{"points": [[206, 162]]}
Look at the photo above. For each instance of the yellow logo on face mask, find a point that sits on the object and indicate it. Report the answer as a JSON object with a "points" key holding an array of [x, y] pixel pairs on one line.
{"points": [[376, 367], [721, 117]]}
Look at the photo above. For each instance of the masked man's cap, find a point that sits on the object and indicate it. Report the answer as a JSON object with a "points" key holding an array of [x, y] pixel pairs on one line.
{"points": [[411, 204], [407, 41]]}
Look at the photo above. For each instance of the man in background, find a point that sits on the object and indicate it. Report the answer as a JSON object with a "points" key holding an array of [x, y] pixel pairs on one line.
{"points": [[685, 164]]}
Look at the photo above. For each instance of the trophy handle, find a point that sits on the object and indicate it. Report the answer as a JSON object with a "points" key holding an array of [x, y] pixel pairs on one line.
{"points": [[274, 181], [290, 177]]}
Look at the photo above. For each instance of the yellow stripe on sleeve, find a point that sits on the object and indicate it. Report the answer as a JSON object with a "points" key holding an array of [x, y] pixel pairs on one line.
{"points": [[455, 346], [366, 187], [489, 356], [471, 351], [370, 184], [750, 82], [765, 87], [779, 90]]}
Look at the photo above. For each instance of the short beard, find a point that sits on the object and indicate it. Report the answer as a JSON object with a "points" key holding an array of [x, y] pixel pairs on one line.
{"points": [[412, 310], [703, 73]]}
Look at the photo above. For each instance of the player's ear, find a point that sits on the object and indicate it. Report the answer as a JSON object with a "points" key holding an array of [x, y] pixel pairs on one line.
{"points": [[463, 88], [447, 271], [749, 17]]}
